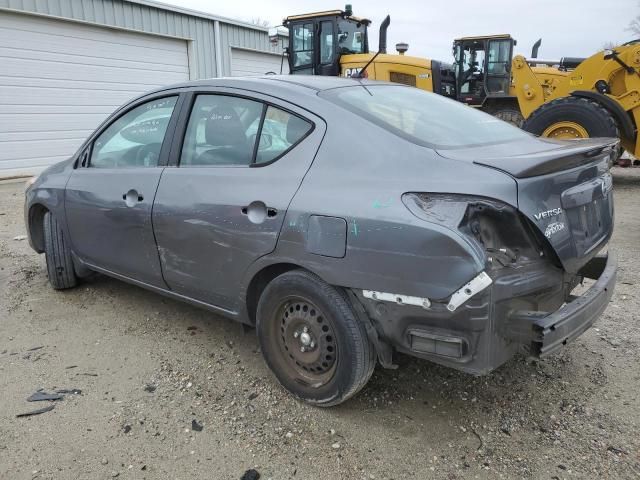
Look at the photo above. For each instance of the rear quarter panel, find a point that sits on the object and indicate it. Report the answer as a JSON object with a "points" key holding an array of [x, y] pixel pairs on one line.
{"points": [[359, 175]]}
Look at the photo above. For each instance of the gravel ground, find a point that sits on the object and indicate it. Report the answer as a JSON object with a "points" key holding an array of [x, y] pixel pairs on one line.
{"points": [[148, 367]]}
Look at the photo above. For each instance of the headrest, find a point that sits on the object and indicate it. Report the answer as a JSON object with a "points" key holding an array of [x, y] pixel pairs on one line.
{"points": [[223, 128]]}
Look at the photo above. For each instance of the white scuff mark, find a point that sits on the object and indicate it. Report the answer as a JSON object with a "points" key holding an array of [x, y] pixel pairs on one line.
{"points": [[479, 283], [397, 298], [20, 237]]}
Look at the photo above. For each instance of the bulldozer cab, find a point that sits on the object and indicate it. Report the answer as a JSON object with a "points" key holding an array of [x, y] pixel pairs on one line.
{"points": [[317, 40], [482, 67]]}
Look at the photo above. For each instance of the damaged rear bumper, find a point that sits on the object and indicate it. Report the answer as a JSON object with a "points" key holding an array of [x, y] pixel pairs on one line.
{"points": [[548, 332], [522, 309]]}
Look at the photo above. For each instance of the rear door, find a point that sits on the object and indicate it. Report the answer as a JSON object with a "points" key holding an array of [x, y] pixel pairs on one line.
{"points": [[222, 205], [109, 196]]}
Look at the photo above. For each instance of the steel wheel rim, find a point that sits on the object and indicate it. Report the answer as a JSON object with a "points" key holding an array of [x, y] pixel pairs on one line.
{"points": [[565, 131], [304, 341]]}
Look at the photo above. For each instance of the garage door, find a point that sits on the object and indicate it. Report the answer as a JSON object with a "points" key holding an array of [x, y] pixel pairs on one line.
{"points": [[60, 79], [252, 64]]}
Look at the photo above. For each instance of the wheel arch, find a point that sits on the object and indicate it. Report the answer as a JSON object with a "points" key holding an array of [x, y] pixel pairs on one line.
{"points": [[37, 211], [260, 280], [622, 118]]}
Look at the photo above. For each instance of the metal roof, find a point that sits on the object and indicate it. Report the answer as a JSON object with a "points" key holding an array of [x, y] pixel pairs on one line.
{"points": [[197, 13], [326, 13], [484, 37]]}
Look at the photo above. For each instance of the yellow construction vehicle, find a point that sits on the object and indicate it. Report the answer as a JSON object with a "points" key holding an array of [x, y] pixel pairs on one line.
{"points": [[594, 97], [336, 43], [566, 98]]}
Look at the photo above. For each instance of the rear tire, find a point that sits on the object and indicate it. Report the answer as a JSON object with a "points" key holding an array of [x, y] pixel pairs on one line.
{"points": [[572, 117], [312, 340], [60, 270]]}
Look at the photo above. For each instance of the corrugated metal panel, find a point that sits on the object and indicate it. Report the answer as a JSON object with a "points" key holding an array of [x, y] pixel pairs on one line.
{"points": [[235, 36], [61, 79], [150, 19], [123, 14], [252, 63]]}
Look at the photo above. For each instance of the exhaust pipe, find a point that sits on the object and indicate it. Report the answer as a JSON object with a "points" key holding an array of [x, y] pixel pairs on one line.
{"points": [[382, 44], [536, 47]]}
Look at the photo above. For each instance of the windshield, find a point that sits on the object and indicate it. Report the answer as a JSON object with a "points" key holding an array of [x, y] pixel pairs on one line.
{"points": [[422, 117], [351, 37]]}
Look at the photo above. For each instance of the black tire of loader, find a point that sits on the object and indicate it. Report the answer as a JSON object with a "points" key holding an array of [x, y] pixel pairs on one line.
{"points": [[592, 116], [509, 115]]}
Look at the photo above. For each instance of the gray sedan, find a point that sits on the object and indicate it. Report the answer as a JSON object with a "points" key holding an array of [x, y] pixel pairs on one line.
{"points": [[346, 220]]}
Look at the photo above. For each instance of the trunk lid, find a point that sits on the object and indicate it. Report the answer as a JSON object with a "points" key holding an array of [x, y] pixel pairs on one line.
{"points": [[564, 189]]}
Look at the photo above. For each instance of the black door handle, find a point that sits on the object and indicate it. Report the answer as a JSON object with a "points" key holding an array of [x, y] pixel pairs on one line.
{"points": [[132, 197], [258, 212], [140, 197]]}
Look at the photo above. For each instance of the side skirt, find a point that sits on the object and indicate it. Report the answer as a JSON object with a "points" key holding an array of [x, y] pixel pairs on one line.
{"points": [[167, 293]]}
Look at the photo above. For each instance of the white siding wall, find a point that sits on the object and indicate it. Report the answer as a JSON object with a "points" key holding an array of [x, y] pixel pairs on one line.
{"points": [[251, 63], [60, 79]]}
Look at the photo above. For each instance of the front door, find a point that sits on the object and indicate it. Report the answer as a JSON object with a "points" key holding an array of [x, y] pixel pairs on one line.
{"points": [[222, 206], [108, 200]]}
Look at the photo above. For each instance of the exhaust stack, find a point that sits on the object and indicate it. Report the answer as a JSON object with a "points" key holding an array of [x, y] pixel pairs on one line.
{"points": [[382, 44], [536, 47]]}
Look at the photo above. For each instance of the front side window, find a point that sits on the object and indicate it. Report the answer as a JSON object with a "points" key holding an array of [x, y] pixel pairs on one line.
{"points": [[302, 44], [134, 139], [280, 131], [351, 36], [221, 131], [224, 131], [423, 118]]}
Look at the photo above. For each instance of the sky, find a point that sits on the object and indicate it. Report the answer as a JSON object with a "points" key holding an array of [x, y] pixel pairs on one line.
{"points": [[570, 28]]}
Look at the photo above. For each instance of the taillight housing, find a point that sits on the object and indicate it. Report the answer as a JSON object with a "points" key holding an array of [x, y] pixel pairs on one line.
{"points": [[494, 227]]}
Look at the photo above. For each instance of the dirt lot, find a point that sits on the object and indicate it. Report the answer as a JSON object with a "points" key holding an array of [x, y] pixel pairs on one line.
{"points": [[148, 367]]}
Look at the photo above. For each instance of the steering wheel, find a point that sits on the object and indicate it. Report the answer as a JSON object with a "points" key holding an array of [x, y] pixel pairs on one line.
{"points": [[147, 155]]}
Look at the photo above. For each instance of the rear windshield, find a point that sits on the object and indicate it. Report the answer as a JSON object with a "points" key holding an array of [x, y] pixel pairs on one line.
{"points": [[422, 117]]}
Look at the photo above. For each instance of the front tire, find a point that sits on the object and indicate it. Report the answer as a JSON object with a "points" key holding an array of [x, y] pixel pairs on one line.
{"points": [[312, 340], [60, 269], [571, 118]]}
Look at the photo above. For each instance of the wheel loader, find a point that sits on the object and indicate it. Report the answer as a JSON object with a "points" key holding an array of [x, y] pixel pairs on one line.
{"points": [[567, 98], [594, 97]]}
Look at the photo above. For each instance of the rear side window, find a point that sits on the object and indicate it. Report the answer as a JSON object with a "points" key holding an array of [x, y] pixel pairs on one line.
{"points": [[219, 131], [280, 131], [234, 131], [424, 118], [134, 139]]}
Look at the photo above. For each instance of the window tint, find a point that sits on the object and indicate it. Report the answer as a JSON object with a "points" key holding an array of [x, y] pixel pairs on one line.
{"points": [[302, 44], [280, 131], [422, 117], [134, 139], [221, 131]]}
